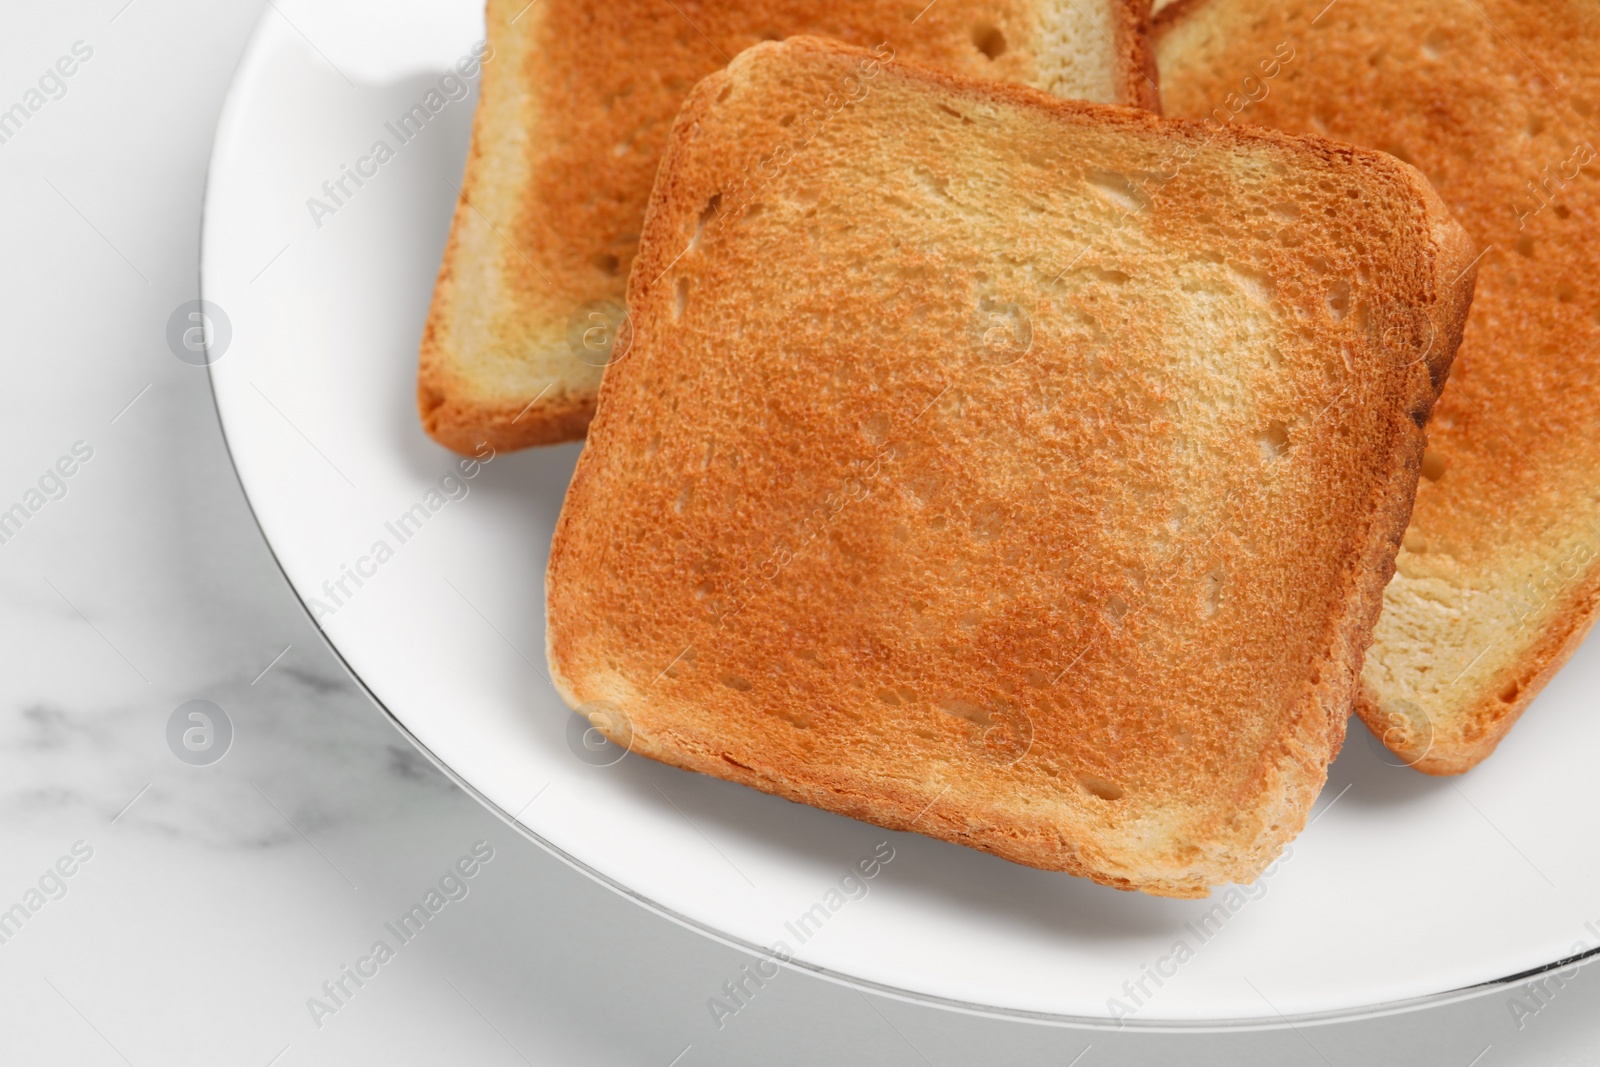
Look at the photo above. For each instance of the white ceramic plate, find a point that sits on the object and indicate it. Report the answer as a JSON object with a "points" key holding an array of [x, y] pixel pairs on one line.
{"points": [[1403, 889]]}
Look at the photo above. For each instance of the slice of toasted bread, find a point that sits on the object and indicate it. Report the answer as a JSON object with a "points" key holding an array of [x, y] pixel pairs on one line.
{"points": [[996, 466], [574, 109], [1495, 101]]}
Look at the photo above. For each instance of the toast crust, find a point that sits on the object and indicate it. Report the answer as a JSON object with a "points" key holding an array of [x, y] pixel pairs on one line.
{"points": [[1141, 84], [1499, 574], [602, 573], [565, 145]]}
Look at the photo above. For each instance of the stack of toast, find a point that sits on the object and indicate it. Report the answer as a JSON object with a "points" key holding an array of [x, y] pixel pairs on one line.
{"points": [[977, 451], [571, 122], [1496, 102]]}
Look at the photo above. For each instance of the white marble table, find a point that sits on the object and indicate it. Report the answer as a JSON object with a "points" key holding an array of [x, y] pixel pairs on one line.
{"points": [[210, 910]]}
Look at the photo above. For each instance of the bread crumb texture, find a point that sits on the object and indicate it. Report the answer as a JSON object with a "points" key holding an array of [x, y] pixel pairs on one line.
{"points": [[1021, 472], [576, 104], [1495, 101]]}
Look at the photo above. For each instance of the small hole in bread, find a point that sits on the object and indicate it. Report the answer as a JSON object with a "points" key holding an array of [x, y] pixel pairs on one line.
{"points": [[727, 91], [680, 302], [1110, 277], [606, 264], [1524, 245], [733, 681], [1258, 285], [1433, 465], [965, 709], [1339, 300], [889, 696], [1562, 211], [1274, 441], [989, 40], [1100, 787], [1565, 292], [1118, 189], [1509, 693], [876, 429], [1211, 594], [1116, 608], [988, 522], [708, 213]]}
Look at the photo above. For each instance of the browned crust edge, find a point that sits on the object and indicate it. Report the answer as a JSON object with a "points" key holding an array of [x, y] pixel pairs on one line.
{"points": [[1558, 642], [447, 417], [1493, 717], [1449, 321], [461, 422], [1169, 16], [1319, 717], [1135, 44], [1490, 717], [449, 414], [1454, 271]]}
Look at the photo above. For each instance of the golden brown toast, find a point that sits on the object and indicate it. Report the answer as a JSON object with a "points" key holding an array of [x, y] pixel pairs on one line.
{"points": [[574, 109], [1495, 101], [997, 467]]}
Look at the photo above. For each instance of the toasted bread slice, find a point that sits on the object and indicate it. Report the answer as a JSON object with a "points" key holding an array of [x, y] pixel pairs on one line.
{"points": [[1495, 101], [574, 109], [996, 467]]}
